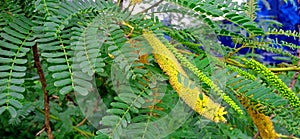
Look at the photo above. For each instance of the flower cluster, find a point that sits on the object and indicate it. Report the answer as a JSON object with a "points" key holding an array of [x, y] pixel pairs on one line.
{"points": [[241, 72], [274, 80], [169, 64], [263, 124], [136, 1], [261, 121], [205, 79]]}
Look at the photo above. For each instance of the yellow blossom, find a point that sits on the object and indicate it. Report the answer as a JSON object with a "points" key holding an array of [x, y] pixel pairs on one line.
{"points": [[136, 1], [261, 121], [263, 124], [169, 64]]}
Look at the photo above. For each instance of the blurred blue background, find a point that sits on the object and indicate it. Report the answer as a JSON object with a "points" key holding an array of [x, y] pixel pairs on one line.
{"points": [[285, 13]]}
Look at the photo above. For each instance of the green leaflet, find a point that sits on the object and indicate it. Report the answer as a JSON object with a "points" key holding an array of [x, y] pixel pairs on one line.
{"points": [[14, 37]]}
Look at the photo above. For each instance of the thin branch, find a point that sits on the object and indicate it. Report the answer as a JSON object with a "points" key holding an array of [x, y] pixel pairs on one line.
{"points": [[256, 135], [82, 132], [131, 8], [46, 97], [286, 136], [295, 77], [293, 68], [120, 3], [51, 116], [152, 6], [235, 63], [81, 123], [238, 64], [40, 132], [236, 50]]}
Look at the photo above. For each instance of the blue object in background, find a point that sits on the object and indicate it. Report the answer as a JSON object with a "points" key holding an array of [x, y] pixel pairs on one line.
{"points": [[285, 13]]}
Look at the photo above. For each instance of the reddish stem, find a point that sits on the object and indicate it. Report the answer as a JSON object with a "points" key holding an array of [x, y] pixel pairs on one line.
{"points": [[44, 84], [295, 77]]}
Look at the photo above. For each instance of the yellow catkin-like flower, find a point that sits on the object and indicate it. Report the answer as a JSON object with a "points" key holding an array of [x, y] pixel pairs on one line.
{"points": [[261, 121], [169, 64], [136, 1], [185, 62], [263, 124]]}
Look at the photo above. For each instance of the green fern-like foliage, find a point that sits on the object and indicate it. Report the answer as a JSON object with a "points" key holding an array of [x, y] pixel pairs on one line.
{"points": [[104, 81], [17, 39]]}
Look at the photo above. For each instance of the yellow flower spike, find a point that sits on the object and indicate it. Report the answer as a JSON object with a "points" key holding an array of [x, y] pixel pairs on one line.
{"points": [[204, 78], [169, 64], [263, 124], [261, 121], [136, 1]]}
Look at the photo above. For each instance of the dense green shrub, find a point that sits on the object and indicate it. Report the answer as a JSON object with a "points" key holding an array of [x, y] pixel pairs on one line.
{"points": [[93, 69]]}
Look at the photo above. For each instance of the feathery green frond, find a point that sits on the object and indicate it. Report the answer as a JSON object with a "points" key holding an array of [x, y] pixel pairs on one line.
{"points": [[15, 44], [127, 74]]}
